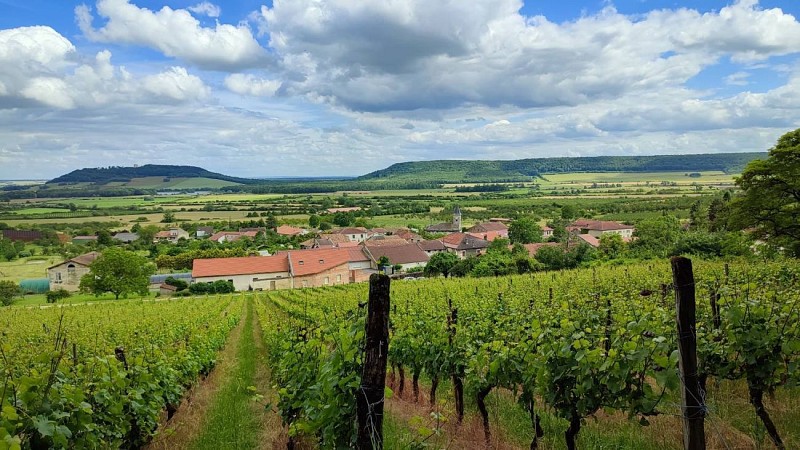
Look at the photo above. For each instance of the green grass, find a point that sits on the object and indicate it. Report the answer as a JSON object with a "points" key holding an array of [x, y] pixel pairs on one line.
{"points": [[76, 298], [230, 422], [634, 177], [25, 268]]}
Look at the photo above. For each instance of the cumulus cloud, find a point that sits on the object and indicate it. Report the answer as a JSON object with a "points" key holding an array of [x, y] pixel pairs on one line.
{"points": [[409, 54], [206, 9], [247, 84], [175, 33], [39, 67]]}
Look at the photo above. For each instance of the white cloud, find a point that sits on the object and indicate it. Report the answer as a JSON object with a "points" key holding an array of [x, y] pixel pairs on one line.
{"points": [[206, 9], [175, 33], [39, 67], [737, 79], [409, 54], [247, 84]]}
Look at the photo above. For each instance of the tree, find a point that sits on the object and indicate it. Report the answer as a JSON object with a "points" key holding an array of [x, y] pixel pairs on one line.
{"points": [[104, 238], [8, 290], [611, 245], [657, 237], [525, 231], [770, 198], [441, 263], [169, 217], [568, 212], [313, 221], [118, 271]]}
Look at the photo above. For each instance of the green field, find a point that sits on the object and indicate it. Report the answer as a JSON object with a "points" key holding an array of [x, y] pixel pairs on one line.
{"points": [[25, 268], [711, 177]]}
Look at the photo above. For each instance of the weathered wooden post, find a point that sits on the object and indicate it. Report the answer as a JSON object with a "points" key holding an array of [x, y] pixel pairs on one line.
{"points": [[692, 407], [370, 397]]}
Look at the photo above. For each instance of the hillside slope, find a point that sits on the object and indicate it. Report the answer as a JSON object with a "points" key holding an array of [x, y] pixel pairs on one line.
{"points": [[459, 171], [106, 175]]}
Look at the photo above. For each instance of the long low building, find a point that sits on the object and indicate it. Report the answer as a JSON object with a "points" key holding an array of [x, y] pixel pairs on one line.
{"points": [[285, 270]]}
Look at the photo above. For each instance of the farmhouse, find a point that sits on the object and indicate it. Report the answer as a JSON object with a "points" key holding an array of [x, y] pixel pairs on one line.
{"points": [[67, 275], [285, 270], [288, 230], [598, 228], [407, 256], [432, 247], [204, 232], [498, 228], [230, 236], [171, 235], [464, 245], [354, 234], [547, 232]]}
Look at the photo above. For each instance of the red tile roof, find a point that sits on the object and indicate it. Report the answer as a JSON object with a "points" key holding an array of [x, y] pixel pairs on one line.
{"points": [[488, 226], [308, 262], [215, 267], [488, 235], [401, 254], [288, 230], [589, 239]]}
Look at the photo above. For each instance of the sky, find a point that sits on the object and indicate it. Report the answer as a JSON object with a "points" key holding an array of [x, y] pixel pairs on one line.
{"points": [[345, 87]]}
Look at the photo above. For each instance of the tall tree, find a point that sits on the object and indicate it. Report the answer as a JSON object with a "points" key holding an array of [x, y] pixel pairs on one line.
{"points": [[525, 231], [8, 290], [441, 263], [770, 199], [118, 271]]}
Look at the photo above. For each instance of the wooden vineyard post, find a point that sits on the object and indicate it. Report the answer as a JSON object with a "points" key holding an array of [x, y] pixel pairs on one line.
{"points": [[693, 407], [370, 397]]}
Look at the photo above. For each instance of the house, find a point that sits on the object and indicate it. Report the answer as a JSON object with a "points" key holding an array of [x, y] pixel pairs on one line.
{"points": [[171, 235], [230, 236], [288, 230], [354, 234], [447, 227], [589, 239], [381, 240], [360, 265], [464, 245], [432, 247], [83, 240], [204, 232], [126, 238], [378, 232], [246, 273], [255, 229], [408, 235], [547, 232], [22, 235], [598, 228], [496, 229], [327, 241], [489, 235], [166, 290], [407, 256], [67, 275], [284, 270]]}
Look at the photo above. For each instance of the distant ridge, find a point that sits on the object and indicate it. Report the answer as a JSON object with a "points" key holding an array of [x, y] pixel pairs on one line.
{"points": [[460, 171], [105, 175]]}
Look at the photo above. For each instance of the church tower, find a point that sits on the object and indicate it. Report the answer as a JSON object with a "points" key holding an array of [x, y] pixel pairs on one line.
{"points": [[457, 218]]}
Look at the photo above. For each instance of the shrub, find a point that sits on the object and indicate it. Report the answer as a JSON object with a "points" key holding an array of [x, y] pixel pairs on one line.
{"points": [[59, 294]]}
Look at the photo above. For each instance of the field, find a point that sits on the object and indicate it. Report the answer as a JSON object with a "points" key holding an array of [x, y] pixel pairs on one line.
{"points": [[594, 344]]}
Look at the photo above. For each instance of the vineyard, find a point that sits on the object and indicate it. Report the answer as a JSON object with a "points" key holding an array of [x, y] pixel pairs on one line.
{"points": [[566, 346], [100, 375], [548, 360]]}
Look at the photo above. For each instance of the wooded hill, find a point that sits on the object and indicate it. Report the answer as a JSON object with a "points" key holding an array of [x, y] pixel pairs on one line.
{"points": [[460, 171], [105, 175]]}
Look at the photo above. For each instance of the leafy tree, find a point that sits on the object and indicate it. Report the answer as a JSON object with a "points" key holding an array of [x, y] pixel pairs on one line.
{"points": [[656, 237], [104, 238], [343, 219], [441, 263], [611, 245], [118, 271], [180, 284], [770, 199], [313, 221], [525, 231], [271, 222], [500, 245], [568, 212], [169, 217], [8, 290]]}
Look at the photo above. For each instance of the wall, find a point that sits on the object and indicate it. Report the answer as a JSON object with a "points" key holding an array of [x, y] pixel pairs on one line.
{"points": [[256, 281], [336, 275], [70, 278]]}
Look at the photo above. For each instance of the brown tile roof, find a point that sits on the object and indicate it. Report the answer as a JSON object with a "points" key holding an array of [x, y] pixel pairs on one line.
{"points": [[488, 226], [357, 254], [408, 235], [351, 230], [386, 241], [430, 246], [589, 239], [288, 230], [401, 254], [244, 265], [463, 241], [308, 262], [489, 235], [334, 238], [229, 236], [85, 259]]}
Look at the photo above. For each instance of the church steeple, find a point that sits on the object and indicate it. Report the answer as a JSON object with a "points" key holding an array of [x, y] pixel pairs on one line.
{"points": [[457, 218]]}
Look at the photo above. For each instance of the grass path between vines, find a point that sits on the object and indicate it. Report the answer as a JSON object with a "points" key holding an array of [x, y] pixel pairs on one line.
{"points": [[227, 409]]}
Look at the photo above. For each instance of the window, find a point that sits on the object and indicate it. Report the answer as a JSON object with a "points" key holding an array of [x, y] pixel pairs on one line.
{"points": [[322, 261], [300, 262], [338, 278], [58, 277], [327, 280], [71, 268], [305, 283]]}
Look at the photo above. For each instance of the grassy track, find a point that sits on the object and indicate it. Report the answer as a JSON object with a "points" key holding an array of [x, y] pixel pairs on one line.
{"points": [[236, 418]]}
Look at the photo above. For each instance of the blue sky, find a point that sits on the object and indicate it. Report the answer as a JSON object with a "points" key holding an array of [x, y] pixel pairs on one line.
{"points": [[343, 87]]}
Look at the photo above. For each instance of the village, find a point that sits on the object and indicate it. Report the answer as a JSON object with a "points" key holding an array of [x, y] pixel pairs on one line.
{"points": [[333, 257]]}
